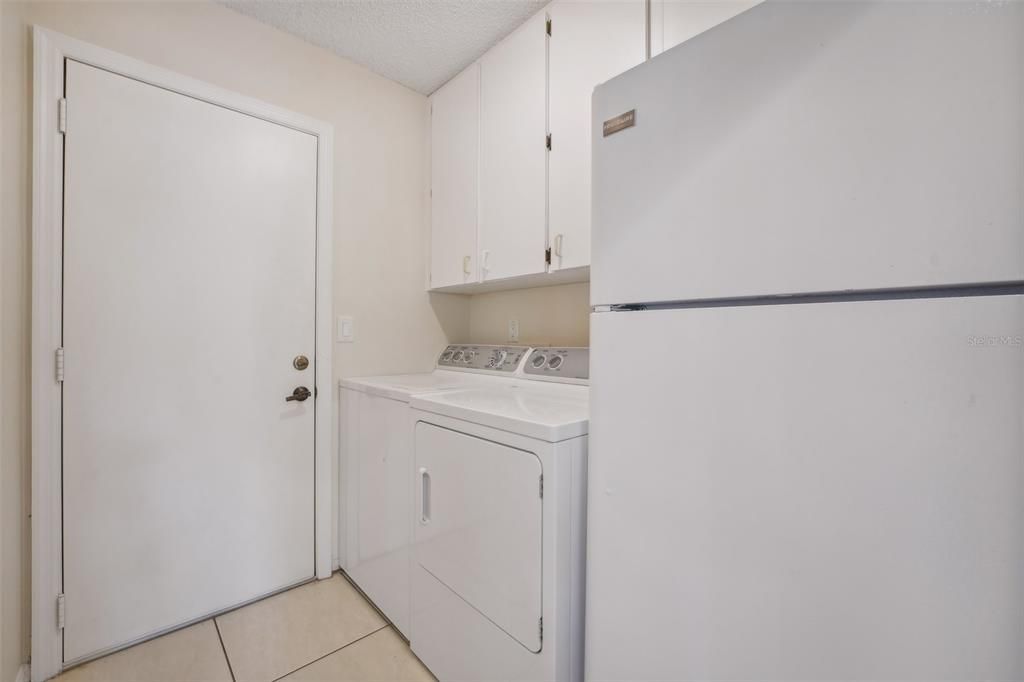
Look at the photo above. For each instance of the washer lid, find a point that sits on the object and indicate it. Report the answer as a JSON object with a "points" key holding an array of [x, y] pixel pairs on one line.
{"points": [[548, 412], [404, 386]]}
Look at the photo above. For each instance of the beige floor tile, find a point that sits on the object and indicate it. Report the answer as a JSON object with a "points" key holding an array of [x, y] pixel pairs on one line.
{"points": [[192, 654], [273, 637], [381, 657]]}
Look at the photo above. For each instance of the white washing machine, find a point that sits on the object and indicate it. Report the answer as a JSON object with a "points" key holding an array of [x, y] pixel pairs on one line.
{"points": [[376, 465], [499, 538]]}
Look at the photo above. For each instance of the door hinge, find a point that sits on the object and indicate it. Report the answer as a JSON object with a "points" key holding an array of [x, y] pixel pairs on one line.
{"points": [[542, 486], [60, 611], [547, 141], [547, 27], [547, 255], [62, 115], [540, 628], [58, 358]]}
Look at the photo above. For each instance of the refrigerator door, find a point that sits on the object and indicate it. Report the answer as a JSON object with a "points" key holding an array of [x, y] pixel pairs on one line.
{"points": [[815, 492], [812, 147]]}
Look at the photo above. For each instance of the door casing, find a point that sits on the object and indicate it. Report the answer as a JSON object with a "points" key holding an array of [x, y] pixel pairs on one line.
{"points": [[50, 50]]}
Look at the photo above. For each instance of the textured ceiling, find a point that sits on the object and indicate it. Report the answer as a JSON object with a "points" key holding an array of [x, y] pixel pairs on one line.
{"points": [[419, 43]]}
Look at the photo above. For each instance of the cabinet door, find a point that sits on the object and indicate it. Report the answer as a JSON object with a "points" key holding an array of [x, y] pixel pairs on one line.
{"points": [[590, 43], [454, 172], [676, 21], [513, 157]]}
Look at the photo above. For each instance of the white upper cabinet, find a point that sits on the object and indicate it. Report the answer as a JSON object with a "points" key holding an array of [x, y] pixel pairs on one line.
{"points": [[676, 21], [513, 157], [507, 211], [454, 173], [590, 43]]}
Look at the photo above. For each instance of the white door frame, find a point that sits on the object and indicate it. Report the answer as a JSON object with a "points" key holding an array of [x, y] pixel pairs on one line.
{"points": [[50, 49]]}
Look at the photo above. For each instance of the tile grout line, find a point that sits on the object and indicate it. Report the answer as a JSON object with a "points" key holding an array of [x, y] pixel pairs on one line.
{"points": [[227, 659], [331, 653]]}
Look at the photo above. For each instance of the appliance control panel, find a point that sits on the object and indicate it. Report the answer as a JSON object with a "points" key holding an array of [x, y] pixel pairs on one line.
{"points": [[562, 363], [492, 358]]}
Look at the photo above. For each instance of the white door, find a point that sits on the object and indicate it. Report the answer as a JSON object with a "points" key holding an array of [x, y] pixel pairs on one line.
{"points": [[676, 21], [513, 154], [795, 148], [455, 174], [590, 43], [478, 527], [189, 284], [817, 491]]}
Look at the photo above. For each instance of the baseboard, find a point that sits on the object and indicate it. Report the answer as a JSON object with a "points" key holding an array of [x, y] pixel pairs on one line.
{"points": [[24, 674]]}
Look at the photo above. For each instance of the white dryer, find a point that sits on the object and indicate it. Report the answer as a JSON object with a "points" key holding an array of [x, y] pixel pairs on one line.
{"points": [[376, 465], [499, 538]]}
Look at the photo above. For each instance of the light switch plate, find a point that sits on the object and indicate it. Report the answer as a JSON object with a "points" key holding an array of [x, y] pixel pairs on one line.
{"points": [[513, 330], [346, 329]]}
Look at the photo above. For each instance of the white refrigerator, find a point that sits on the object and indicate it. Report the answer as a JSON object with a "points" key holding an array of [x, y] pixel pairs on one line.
{"points": [[807, 350]]}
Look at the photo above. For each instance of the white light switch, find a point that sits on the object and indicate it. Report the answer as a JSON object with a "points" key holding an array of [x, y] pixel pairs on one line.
{"points": [[513, 330], [346, 329]]}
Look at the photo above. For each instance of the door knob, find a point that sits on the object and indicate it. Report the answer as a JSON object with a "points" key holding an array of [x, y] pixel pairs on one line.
{"points": [[299, 394]]}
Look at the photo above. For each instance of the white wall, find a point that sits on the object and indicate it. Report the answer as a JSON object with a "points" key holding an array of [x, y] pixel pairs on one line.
{"points": [[380, 195]]}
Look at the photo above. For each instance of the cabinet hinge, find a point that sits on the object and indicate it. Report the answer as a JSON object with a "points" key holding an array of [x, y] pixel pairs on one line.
{"points": [[541, 486], [547, 26], [540, 628], [547, 255], [58, 360], [62, 115], [547, 141], [60, 611]]}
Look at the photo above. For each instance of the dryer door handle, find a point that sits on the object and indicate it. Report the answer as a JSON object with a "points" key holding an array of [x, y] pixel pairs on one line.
{"points": [[424, 496]]}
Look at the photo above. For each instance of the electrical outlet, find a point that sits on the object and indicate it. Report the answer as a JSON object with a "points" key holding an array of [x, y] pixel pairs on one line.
{"points": [[513, 330]]}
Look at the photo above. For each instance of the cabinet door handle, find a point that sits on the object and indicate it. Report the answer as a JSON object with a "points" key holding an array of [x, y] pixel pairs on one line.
{"points": [[424, 496], [485, 260], [558, 245], [465, 265]]}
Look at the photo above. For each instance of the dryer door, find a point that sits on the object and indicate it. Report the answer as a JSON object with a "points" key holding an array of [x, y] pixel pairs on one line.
{"points": [[478, 526]]}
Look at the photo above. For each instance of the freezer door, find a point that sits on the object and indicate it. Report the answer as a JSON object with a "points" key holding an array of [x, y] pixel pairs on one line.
{"points": [[817, 492], [805, 147]]}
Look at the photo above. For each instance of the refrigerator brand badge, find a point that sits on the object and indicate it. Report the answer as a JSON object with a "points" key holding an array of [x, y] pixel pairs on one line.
{"points": [[620, 122]]}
